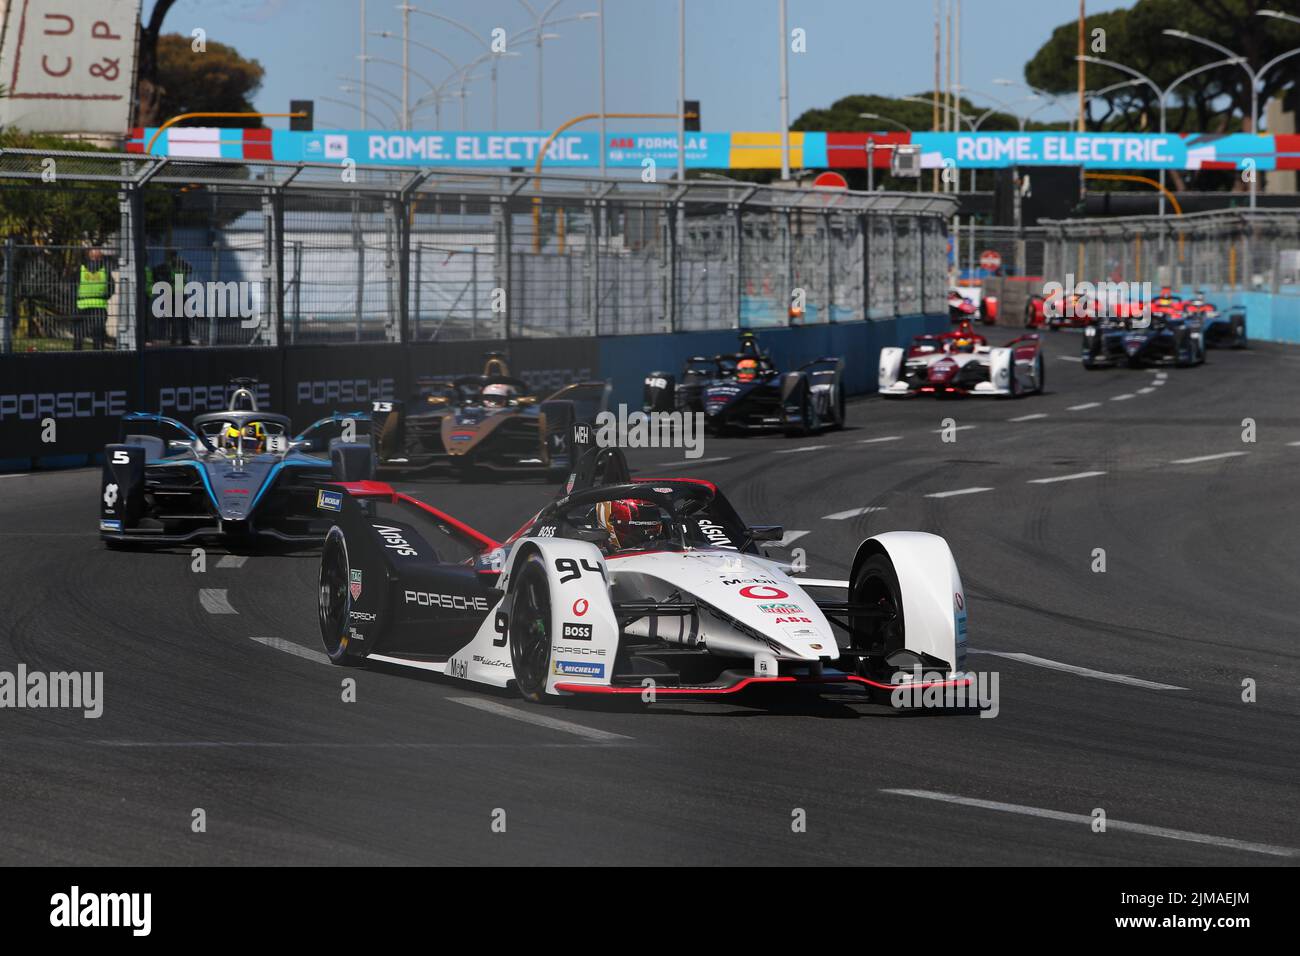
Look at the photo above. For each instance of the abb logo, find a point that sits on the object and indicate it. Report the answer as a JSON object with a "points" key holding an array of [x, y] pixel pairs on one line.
{"points": [[794, 620]]}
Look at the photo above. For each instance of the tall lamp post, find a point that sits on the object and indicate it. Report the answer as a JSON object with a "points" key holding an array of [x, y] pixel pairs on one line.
{"points": [[1255, 76], [1161, 94]]}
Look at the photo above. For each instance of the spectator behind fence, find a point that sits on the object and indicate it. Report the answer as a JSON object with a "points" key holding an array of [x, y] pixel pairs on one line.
{"points": [[94, 289], [176, 271]]}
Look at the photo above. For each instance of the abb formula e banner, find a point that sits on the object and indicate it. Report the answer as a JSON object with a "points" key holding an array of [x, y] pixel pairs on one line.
{"points": [[734, 150], [68, 66]]}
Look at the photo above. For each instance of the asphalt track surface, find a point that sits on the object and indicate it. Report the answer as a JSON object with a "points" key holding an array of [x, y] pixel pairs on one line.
{"points": [[217, 696]]}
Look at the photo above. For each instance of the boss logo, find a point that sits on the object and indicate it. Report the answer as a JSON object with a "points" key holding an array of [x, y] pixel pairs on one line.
{"points": [[577, 632]]}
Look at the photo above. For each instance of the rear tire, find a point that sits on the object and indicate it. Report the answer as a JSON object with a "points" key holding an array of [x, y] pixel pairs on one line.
{"points": [[808, 418], [530, 628]]}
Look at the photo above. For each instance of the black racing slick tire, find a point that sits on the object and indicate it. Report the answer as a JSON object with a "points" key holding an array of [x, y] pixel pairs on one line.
{"points": [[529, 629], [809, 421], [875, 584], [334, 601]]}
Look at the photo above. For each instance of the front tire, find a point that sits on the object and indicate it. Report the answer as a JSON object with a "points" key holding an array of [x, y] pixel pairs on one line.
{"points": [[334, 601], [530, 629], [875, 583]]}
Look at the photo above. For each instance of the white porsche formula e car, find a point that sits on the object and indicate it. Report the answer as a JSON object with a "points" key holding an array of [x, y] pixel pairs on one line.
{"points": [[961, 362], [622, 585]]}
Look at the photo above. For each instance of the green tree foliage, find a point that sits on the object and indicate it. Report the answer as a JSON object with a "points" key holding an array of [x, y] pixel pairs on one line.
{"points": [[844, 115], [217, 80], [54, 214], [1217, 100]]}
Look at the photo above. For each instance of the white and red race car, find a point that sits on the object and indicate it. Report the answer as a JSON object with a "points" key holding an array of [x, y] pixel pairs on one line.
{"points": [[968, 303], [961, 362], [643, 587]]}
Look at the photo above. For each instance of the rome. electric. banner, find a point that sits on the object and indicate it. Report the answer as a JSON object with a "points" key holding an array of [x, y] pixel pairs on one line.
{"points": [[580, 149]]}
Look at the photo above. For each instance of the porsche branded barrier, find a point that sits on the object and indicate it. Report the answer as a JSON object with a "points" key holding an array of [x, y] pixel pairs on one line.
{"points": [[59, 410]]}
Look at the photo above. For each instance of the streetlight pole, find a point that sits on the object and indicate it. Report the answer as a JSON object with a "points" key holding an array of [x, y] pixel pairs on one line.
{"points": [[1254, 85], [1161, 94], [785, 97], [406, 60], [603, 132], [681, 90], [364, 114]]}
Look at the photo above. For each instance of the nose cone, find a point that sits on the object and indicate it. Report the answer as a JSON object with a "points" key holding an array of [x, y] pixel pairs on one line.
{"points": [[764, 599]]}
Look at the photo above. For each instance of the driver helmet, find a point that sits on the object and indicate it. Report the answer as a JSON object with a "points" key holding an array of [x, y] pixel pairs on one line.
{"points": [[498, 394], [254, 435], [630, 523], [964, 344], [747, 370]]}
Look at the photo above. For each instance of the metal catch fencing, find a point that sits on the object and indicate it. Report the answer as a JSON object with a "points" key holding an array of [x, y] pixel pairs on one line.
{"points": [[1215, 251], [126, 251]]}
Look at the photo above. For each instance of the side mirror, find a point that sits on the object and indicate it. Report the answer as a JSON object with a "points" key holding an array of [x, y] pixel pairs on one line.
{"points": [[767, 532]]}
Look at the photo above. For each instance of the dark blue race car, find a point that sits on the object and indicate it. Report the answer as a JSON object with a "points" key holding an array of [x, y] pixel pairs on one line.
{"points": [[237, 474], [745, 391], [1159, 335], [1219, 328]]}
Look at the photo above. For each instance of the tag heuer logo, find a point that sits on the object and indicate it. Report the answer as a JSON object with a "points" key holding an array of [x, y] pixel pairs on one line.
{"points": [[355, 586]]}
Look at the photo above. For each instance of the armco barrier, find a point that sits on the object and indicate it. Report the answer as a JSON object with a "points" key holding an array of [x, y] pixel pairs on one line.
{"points": [[85, 394]]}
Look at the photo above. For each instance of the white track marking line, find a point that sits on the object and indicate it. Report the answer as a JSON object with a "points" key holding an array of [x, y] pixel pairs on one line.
{"points": [[1201, 458], [851, 513], [790, 537], [791, 451], [214, 601], [1185, 836], [1159, 381], [1028, 418], [540, 720], [297, 650], [1079, 671], [955, 428], [1070, 358], [232, 561], [1079, 408], [959, 491], [1121, 398], [872, 441], [1146, 391], [688, 461], [1161, 374], [1080, 474], [1293, 444]]}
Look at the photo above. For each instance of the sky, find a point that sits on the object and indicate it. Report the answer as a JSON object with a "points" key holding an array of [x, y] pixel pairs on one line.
{"points": [[732, 54]]}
